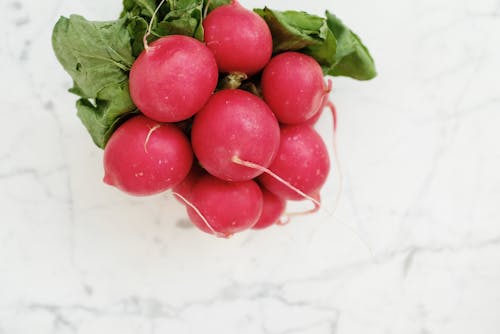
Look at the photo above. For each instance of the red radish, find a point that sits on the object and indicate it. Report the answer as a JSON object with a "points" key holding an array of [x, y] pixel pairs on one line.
{"points": [[239, 38], [302, 161], [144, 157], [224, 208], [173, 78], [235, 123], [272, 210], [326, 104], [293, 87], [185, 186], [313, 120]]}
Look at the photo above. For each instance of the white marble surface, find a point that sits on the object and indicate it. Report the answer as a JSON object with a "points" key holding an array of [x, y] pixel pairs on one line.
{"points": [[420, 149]]}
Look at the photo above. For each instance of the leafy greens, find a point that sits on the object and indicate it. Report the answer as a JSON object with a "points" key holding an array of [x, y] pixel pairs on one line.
{"points": [[98, 55]]}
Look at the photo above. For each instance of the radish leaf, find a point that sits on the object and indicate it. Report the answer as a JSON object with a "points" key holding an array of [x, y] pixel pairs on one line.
{"points": [[98, 56], [102, 115], [335, 47], [352, 58]]}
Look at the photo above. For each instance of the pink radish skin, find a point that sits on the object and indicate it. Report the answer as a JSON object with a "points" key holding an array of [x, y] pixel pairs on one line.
{"points": [[185, 186], [272, 210], [239, 38], [173, 78], [312, 121], [325, 104], [228, 207], [293, 87], [144, 157], [235, 123], [302, 160]]}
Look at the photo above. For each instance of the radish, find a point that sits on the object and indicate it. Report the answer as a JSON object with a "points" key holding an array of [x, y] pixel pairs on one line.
{"points": [[185, 186], [302, 161], [313, 120], [144, 157], [224, 208], [235, 124], [173, 78], [272, 210], [239, 38], [326, 104], [293, 87]]}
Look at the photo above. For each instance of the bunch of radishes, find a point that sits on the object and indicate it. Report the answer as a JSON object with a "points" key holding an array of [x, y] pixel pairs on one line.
{"points": [[211, 101], [250, 153]]}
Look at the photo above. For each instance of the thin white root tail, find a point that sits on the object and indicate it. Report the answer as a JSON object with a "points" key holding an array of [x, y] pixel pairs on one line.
{"points": [[332, 108], [284, 220], [249, 164], [205, 221], [205, 13], [329, 103], [153, 129], [150, 26], [340, 174], [329, 86], [306, 212]]}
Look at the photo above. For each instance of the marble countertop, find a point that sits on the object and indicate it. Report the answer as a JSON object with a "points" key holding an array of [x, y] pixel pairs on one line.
{"points": [[413, 248]]}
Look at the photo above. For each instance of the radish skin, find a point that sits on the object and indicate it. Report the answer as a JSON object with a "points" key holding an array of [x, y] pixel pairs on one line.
{"points": [[235, 123], [228, 207], [173, 78], [293, 87], [185, 187], [239, 38], [272, 210], [302, 161], [144, 157]]}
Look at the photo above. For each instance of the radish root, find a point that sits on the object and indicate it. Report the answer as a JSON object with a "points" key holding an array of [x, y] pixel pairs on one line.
{"points": [[249, 164], [150, 26], [206, 9], [153, 129], [284, 220], [205, 221], [332, 108], [329, 86], [329, 103], [340, 174], [307, 212]]}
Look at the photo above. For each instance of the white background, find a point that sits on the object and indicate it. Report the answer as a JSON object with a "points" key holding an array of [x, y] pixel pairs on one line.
{"points": [[420, 151]]}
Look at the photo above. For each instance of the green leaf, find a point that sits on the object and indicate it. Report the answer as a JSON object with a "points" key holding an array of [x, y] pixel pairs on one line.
{"points": [[139, 14], [184, 18], [323, 52], [137, 27], [98, 56], [336, 48], [352, 58], [95, 54], [292, 30], [138, 8], [180, 17], [300, 31], [102, 115], [212, 4]]}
